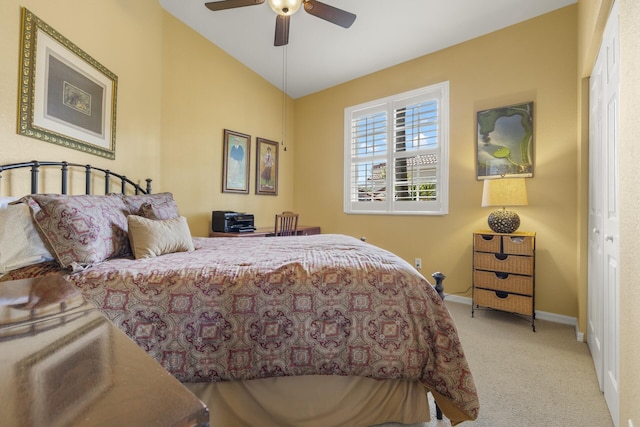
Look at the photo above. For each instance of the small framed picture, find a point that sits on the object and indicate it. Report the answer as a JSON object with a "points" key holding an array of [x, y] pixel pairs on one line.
{"points": [[505, 142], [266, 167], [235, 162]]}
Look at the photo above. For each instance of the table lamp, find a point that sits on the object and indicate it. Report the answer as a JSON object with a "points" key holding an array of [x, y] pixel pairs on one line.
{"points": [[504, 192]]}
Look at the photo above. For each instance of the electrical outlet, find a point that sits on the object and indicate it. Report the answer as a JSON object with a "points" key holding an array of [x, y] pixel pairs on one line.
{"points": [[418, 263]]}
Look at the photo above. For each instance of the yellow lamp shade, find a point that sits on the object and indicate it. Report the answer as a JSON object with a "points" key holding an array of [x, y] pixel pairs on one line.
{"points": [[504, 192]]}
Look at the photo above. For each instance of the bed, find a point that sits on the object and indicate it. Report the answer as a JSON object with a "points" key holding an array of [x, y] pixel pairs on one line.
{"points": [[303, 331]]}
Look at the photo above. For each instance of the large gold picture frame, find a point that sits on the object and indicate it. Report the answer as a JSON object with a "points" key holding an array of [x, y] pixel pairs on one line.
{"points": [[65, 96]]}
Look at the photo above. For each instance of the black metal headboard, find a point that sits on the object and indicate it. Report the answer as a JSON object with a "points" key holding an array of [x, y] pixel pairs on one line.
{"points": [[89, 170]]}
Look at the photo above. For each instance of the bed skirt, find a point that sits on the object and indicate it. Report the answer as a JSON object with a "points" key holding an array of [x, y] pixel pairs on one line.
{"points": [[313, 401]]}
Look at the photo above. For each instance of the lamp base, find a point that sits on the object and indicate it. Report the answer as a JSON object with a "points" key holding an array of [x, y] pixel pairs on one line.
{"points": [[503, 221]]}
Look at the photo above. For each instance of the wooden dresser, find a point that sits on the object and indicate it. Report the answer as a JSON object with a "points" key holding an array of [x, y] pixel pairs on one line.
{"points": [[504, 272], [62, 363]]}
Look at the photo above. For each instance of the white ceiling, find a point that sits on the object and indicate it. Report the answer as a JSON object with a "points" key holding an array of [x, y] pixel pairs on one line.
{"points": [[321, 54]]}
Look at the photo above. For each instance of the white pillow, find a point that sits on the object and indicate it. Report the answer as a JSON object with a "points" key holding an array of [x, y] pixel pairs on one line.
{"points": [[4, 201], [20, 243]]}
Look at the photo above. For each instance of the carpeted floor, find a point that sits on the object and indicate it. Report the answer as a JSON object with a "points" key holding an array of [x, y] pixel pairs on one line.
{"points": [[527, 379]]}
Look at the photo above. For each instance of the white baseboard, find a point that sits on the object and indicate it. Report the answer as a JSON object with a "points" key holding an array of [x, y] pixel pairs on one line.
{"points": [[542, 315]]}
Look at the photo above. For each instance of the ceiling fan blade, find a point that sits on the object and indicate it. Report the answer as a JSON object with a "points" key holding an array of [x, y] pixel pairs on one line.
{"points": [[282, 30], [230, 4], [329, 13]]}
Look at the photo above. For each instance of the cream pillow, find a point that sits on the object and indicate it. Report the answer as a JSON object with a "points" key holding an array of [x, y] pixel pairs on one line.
{"points": [[20, 243], [151, 238]]}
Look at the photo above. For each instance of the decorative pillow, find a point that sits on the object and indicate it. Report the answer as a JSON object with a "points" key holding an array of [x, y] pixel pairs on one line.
{"points": [[81, 230], [164, 210], [151, 238], [134, 202], [20, 243]]}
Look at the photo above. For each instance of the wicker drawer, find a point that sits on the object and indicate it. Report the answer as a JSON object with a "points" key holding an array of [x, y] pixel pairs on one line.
{"points": [[503, 301], [486, 242], [504, 263], [503, 282], [518, 245]]}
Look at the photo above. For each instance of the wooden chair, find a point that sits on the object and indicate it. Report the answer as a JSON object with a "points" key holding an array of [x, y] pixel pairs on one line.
{"points": [[286, 224]]}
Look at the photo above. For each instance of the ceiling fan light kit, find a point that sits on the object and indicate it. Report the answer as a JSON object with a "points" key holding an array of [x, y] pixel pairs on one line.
{"points": [[286, 8]]}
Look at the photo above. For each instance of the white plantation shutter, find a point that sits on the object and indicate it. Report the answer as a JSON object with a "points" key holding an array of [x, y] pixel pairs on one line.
{"points": [[396, 154], [368, 155]]}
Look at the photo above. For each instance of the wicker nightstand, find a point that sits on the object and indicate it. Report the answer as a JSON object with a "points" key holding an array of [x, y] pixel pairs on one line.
{"points": [[504, 272]]}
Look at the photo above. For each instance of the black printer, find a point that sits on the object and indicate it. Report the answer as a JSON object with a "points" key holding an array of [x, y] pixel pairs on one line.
{"points": [[232, 222]]}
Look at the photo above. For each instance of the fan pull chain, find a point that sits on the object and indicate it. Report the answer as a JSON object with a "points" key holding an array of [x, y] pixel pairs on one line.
{"points": [[284, 96]]}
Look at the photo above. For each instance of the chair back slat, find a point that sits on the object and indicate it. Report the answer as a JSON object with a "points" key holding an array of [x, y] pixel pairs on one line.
{"points": [[286, 224]]}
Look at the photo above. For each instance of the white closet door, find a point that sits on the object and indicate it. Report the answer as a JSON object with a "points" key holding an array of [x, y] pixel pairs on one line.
{"points": [[595, 319], [611, 220], [604, 245]]}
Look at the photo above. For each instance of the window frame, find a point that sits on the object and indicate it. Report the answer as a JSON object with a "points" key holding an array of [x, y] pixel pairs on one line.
{"points": [[390, 105]]}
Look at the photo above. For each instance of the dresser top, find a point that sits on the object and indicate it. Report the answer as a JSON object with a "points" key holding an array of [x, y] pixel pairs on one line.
{"points": [[517, 233]]}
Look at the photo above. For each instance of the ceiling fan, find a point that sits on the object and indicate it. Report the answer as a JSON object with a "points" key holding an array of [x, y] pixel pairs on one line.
{"points": [[286, 8]]}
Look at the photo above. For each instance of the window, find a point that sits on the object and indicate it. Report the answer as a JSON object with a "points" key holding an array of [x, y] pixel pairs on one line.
{"points": [[397, 154]]}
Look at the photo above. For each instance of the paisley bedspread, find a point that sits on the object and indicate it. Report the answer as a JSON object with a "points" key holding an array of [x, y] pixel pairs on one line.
{"points": [[247, 308]]}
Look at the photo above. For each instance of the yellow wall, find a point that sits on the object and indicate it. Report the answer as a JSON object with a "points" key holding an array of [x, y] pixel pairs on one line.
{"points": [[176, 94], [124, 36], [205, 91], [532, 61], [629, 212]]}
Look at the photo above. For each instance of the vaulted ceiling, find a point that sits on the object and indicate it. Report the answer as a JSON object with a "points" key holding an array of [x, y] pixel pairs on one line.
{"points": [[385, 33]]}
